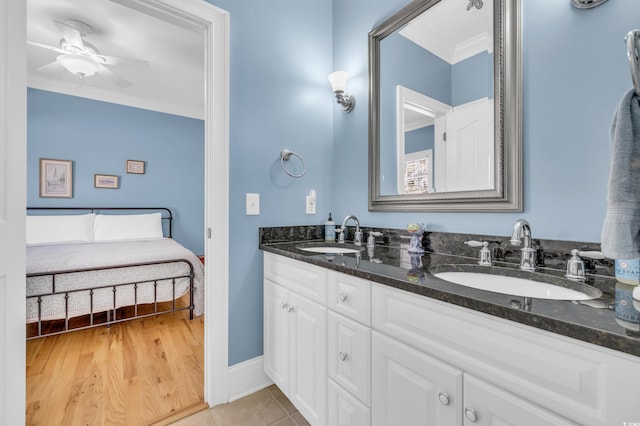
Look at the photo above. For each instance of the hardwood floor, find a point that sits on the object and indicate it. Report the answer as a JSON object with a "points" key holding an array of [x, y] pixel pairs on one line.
{"points": [[134, 373]]}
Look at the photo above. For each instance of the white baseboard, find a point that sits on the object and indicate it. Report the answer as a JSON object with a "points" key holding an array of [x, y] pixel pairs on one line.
{"points": [[247, 377]]}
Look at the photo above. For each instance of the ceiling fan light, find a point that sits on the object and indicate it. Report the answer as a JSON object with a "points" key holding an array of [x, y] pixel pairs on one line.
{"points": [[79, 65]]}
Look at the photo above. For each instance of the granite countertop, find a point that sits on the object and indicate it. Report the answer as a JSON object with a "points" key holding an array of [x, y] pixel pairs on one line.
{"points": [[590, 321]]}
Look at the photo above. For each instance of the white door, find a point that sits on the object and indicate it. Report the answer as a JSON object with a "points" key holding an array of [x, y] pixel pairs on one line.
{"points": [[276, 334], [13, 159], [487, 405], [411, 388], [469, 158], [309, 358]]}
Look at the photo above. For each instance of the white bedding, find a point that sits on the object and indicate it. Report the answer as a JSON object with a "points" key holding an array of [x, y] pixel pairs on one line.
{"points": [[73, 256]]}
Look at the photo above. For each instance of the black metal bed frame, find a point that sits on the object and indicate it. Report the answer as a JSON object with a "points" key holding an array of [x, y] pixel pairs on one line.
{"points": [[113, 310]]}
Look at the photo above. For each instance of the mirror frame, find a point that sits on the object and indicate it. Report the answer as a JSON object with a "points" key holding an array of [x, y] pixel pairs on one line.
{"points": [[507, 76]]}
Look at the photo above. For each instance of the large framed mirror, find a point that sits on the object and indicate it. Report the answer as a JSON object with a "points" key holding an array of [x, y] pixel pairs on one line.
{"points": [[445, 108]]}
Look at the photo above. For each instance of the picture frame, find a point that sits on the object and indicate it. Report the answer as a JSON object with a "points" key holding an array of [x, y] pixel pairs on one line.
{"points": [[135, 167], [105, 181], [56, 178]]}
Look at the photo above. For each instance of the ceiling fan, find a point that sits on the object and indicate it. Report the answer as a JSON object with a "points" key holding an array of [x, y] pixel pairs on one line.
{"points": [[83, 59]]}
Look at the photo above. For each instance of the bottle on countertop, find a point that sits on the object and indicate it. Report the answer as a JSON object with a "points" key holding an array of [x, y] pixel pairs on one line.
{"points": [[628, 271], [330, 230]]}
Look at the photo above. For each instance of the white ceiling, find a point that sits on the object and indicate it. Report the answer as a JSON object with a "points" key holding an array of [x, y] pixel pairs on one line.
{"points": [[452, 32], [127, 29]]}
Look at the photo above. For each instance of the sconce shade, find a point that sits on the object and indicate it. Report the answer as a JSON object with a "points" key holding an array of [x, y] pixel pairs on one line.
{"points": [[338, 80], [79, 65]]}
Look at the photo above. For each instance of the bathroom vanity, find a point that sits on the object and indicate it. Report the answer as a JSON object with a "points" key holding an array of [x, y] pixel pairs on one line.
{"points": [[372, 338]]}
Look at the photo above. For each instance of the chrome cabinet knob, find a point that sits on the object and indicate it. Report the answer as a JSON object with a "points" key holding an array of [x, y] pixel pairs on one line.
{"points": [[444, 398], [284, 305], [289, 308], [342, 356], [342, 297], [471, 414]]}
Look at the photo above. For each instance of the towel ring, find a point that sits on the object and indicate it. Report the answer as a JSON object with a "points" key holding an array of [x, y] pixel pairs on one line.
{"points": [[633, 50], [285, 155]]}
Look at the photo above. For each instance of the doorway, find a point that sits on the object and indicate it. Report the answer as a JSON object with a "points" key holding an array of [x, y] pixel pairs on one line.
{"points": [[215, 24]]}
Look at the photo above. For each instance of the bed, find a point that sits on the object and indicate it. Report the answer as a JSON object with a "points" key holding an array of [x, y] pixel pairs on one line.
{"points": [[89, 267]]}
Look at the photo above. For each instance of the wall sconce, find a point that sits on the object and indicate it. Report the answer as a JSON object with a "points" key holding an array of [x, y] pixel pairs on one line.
{"points": [[586, 4], [338, 82]]}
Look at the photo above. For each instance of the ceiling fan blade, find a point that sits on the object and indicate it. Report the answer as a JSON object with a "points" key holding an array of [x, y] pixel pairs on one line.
{"points": [[45, 46], [70, 34], [127, 62], [53, 67], [120, 82]]}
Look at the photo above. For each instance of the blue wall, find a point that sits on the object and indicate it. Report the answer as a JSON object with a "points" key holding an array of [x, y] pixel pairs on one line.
{"points": [[279, 98], [99, 137], [575, 72]]}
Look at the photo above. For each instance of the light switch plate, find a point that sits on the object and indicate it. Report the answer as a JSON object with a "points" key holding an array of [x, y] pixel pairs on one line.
{"points": [[253, 204]]}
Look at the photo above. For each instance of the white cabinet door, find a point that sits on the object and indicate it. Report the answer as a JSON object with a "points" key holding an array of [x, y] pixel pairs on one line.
{"points": [[349, 356], [412, 388], [308, 333], [487, 405], [344, 409], [276, 334]]}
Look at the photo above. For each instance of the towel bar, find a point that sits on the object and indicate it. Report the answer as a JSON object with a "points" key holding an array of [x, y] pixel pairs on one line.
{"points": [[633, 51]]}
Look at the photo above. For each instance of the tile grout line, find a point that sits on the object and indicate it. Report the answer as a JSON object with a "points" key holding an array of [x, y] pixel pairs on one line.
{"points": [[287, 415]]}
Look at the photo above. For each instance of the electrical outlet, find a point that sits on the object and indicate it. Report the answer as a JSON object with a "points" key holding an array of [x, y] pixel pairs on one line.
{"points": [[311, 205]]}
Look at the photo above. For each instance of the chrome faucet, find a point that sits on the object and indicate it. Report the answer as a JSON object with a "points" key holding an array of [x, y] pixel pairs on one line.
{"points": [[522, 236], [357, 238]]}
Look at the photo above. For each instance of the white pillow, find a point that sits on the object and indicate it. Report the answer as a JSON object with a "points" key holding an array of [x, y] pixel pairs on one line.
{"points": [[55, 229], [127, 227]]}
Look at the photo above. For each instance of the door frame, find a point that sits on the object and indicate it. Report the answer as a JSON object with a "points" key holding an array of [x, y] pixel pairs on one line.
{"points": [[215, 24]]}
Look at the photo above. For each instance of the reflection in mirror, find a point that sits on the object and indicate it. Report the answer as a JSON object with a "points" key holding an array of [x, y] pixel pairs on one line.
{"points": [[444, 109]]}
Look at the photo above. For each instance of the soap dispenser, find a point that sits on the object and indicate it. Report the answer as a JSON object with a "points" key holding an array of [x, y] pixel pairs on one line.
{"points": [[575, 267], [330, 230]]}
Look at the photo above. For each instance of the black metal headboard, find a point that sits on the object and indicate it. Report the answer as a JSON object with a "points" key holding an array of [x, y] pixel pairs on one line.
{"points": [[166, 213]]}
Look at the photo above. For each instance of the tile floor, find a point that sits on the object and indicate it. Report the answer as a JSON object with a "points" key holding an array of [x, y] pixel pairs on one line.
{"points": [[267, 407]]}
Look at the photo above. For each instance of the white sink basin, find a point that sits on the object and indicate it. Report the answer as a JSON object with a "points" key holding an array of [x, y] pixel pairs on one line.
{"points": [[329, 248], [521, 286]]}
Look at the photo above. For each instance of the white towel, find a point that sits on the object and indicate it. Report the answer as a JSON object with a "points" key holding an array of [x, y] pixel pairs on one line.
{"points": [[621, 230]]}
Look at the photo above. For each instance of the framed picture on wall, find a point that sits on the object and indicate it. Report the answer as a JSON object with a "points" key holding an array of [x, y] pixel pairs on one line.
{"points": [[135, 167], [56, 178], [105, 181]]}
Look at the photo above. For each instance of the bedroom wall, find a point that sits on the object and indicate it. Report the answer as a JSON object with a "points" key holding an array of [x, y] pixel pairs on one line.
{"points": [[99, 137]]}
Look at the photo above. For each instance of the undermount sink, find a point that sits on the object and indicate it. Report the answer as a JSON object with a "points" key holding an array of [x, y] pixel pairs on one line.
{"points": [[516, 283], [329, 248]]}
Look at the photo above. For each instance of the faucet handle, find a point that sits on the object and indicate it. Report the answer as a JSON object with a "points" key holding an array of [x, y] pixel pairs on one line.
{"points": [[575, 267], [485, 255], [597, 255]]}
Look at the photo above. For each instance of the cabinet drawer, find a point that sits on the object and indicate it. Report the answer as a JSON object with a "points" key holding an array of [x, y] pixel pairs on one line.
{"points": [[350, 296], [305, 279], [349, 355], [345, 410]]}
